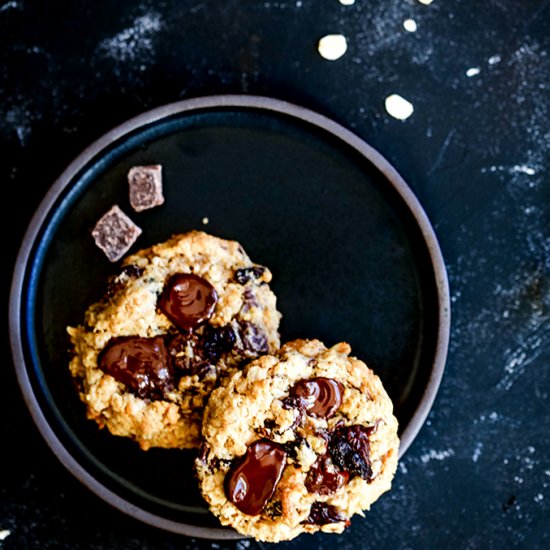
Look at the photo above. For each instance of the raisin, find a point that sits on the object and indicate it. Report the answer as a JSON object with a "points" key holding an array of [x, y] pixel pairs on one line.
{"points": [[184, 353], [270, 424], [246, 274], [115, 285], [132, 270], [249, 299], [324, 478], [274, 509], [253, 340], [322, 513], [349, 449], [196, 353], [216, 341], [292, 447]]}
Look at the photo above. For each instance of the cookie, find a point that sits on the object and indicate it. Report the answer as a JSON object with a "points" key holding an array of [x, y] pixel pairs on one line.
{"points": [[179, 318], [297, 442]]}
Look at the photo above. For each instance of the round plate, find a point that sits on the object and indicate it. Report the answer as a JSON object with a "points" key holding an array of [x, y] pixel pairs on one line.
{"points": [[353, 255]]}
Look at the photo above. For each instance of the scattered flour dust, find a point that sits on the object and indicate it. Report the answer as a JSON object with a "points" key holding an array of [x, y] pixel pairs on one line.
{"points": [[436, 455], [135, 41], [9, 5], [516, 307], [477, 451]]}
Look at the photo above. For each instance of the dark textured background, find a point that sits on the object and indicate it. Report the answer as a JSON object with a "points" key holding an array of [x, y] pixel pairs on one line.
{"points": [[475, 152]]}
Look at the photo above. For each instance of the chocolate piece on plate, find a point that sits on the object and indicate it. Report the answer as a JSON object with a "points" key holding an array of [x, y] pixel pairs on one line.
{"points": [[145, 184], [115, 233]]}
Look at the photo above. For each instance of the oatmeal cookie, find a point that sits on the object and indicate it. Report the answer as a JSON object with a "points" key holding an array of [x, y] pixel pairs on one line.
{"points": [[179, 318], [298, 441]]}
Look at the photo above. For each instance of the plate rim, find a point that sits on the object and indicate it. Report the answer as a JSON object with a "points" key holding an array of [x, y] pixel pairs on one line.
{"points": [[261, 103]]}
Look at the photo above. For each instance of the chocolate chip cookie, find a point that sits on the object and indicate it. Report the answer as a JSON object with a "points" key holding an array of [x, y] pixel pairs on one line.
{"points": [[177, 320], [299, 441]]}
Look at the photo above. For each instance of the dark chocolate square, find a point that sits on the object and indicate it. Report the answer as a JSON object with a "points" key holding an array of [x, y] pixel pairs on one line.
{"points": [[115, 233], [145, 184]]}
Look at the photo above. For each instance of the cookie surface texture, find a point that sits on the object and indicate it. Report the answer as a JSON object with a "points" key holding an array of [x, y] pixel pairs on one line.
{"points": [[297, 442], [144, 377]]}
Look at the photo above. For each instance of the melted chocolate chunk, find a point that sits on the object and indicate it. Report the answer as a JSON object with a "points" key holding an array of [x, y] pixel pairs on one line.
{"points": [[246, 274], [252, 479], [324, 478], [253, 340], [322, 513], [320, 397], [141, 364], [349, 449], [188, 300]]}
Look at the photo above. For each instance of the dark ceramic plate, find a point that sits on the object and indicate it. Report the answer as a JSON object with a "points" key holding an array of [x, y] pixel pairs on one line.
{"points": [[353, 255]]}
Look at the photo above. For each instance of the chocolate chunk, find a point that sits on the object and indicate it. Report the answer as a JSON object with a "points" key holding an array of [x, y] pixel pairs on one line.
{"points": [[324, 478], [188, 300], [322, 513], [145, 183], [320, 397], [253, 478], [253, 340], [141, 364], [246, 274], [115, 233], [349, 449]]}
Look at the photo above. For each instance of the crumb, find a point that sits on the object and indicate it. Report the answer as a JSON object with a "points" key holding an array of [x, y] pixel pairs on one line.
{"points": [[410, 25], [473, 71], [398, 107], [205, 221], [332, 46], [347, 2], [4, 534], [426, 2]]}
